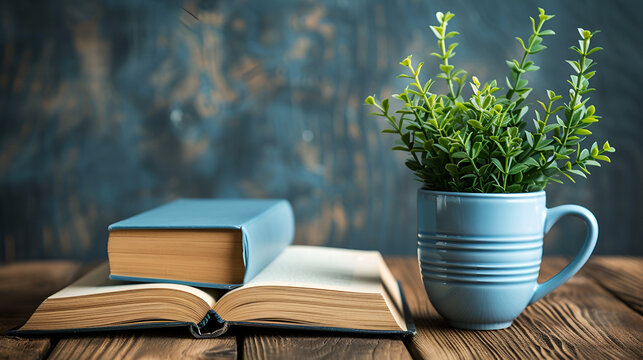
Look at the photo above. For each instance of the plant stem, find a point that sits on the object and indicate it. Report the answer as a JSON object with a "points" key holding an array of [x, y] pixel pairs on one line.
{"points": [[446, 61], [568, 129], [540, 131], [426, 101], [504, 183], [399, 131], [511, 91]]}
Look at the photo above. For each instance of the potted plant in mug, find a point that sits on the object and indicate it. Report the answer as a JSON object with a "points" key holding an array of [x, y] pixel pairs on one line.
{"points": [[481, 210]]}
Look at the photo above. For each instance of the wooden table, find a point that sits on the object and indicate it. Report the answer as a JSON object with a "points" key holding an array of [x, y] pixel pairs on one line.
{"points": [[595, 315]]}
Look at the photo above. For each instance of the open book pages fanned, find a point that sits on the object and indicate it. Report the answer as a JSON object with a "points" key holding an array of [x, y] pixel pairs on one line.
{"points": [[305, 287]]}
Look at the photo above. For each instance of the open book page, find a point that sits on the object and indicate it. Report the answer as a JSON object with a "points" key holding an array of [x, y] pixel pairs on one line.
{"points": [[341, 270], [97, 282], [322, 267], [391, 285]]}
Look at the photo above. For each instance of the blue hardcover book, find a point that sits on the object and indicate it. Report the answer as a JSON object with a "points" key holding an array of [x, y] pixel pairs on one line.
{"points": [[218, 243], [305, 287]]}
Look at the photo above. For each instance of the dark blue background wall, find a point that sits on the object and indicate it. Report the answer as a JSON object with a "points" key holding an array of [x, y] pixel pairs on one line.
{"points": [[113, 107]]}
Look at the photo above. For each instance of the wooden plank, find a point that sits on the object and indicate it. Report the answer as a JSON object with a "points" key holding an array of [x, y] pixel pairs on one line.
{"points": [[13, 347], [23, 286], [622, 276], [578, 320], [152, 344], [269, 344]]}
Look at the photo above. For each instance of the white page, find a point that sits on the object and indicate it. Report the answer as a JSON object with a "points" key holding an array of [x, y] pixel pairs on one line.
{"points": [[323, 267], [97, 282]]}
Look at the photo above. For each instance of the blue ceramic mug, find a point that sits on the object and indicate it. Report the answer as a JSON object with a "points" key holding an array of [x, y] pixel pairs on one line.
{"points": [[480, 254]]}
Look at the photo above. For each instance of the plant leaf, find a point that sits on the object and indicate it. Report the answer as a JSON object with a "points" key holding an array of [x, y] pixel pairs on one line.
{"points": [[498, 165]]}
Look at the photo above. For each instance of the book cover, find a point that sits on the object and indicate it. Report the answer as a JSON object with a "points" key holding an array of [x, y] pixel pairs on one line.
{"points": [[267, 227]]}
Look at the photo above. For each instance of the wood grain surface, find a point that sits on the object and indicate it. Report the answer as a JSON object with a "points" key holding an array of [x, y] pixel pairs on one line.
{"points": [[291, 345], [595, 315], [13, 347], [622, 276], [154, 344], [578, 320], [23, 286]]}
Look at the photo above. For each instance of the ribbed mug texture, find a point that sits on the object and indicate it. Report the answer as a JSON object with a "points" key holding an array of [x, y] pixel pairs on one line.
{"points": [[480, 254]]}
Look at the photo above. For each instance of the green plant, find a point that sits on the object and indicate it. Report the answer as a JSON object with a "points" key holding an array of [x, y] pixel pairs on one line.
{"points": [[482, 144]]}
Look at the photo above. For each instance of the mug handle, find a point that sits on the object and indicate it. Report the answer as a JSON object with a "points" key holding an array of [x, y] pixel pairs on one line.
{"points": [[579, 260]]}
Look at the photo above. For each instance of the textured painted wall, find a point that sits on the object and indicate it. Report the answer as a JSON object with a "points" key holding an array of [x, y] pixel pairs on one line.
{"points": [[113, 107]]}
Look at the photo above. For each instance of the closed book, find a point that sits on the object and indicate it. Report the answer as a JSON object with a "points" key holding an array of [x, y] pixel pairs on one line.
{"points": [[217, 243], [305, 287]]}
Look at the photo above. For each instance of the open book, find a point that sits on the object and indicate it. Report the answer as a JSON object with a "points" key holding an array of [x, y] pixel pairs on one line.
{"points": [[305, 287]]}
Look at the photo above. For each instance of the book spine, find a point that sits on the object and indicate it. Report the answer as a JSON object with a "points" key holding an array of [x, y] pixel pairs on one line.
{"points": [[210, 327], [266, 236]]}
